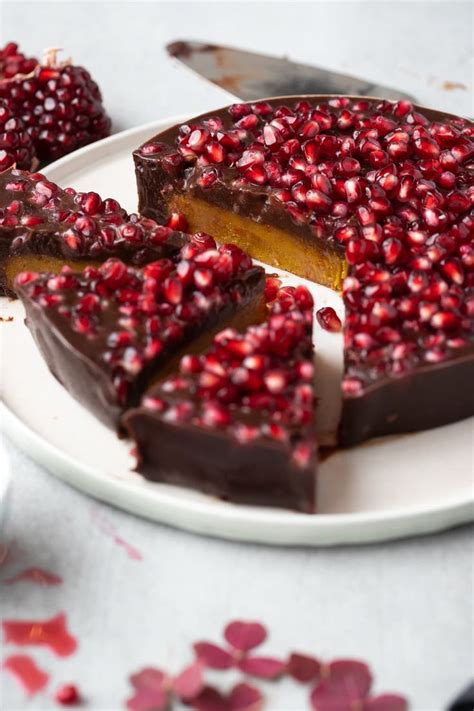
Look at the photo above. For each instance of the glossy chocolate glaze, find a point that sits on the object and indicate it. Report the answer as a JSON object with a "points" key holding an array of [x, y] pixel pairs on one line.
{"points": [[431, 395], [260, 473]]}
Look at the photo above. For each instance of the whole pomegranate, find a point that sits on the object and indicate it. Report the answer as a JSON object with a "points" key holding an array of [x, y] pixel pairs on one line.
{"points": [[58, 102]]}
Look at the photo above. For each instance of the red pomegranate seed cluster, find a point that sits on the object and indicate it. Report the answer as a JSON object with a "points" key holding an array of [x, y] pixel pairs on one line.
{"points": [[255, 384], [13, 62], [16, 145], [77, 224], [59, 103], [130, 317], [393, 187]]}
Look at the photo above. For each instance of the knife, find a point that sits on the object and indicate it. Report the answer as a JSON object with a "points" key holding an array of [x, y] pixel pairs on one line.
{"points": [[252, 76]]}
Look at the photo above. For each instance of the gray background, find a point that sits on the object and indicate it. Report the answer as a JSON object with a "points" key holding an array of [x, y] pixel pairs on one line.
{"points": [[404, 607]]}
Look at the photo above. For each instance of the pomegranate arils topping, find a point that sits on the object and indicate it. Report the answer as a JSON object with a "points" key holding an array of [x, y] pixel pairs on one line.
{"points": [[379, 181], [255, 371]]}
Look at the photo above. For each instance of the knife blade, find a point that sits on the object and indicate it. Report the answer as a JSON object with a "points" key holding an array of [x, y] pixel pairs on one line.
{"points": [[249, 76]]}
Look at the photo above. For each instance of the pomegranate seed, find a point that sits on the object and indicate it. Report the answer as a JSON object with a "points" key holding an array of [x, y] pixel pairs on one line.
{"points": [[316, 199], [256, 174], [426, 147], [173, 290], [215, 152], [216, 415], [352, 387], [275, 381], [67, 695], [453, 270], [328, 319], [353, 188], [207, 178], [445, 320], [177, 221], [246, 433]]}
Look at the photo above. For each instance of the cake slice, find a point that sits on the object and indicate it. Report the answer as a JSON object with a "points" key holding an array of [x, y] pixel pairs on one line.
{"points": [[373, 196], [238, 421], [107, 332], [43, 227]]}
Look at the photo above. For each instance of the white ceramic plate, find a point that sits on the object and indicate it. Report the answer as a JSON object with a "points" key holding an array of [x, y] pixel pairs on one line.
{"points": [[384, 489]]}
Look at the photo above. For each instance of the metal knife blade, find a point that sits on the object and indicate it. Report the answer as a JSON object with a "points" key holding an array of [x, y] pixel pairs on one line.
{"points": [[252, 76]]}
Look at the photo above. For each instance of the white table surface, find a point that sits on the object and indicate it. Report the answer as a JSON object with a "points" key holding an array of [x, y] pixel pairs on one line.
{"points": [[404, 607]]}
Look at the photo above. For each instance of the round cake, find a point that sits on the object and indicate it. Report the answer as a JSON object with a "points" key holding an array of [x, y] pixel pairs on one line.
{"points": [[368, 196]]}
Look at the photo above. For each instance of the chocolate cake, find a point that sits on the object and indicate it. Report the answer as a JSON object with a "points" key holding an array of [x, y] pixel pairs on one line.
{"points": [[372, 196], [238, 420], [106, 333], [43, 227]]}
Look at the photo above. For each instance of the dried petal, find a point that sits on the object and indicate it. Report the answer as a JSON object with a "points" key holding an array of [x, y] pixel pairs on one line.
{"points": [[213, 656], [28, 673], [52, 633], [244, 697], [210, 699], [346, 684], [304, 668], [245, 635], [189, 683], [322, 699], [351, 676], [263, 667], [151, 690], [386, 702]]}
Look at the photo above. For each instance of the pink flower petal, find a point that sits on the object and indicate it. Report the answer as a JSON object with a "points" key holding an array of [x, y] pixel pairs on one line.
{"points": [[324, 698], [351, 676], [24, 668], [210, 699], [213, 656], [146, 700], [189, 683], [386, 702], [263, 667], [244, 697], [149, 677], [245, 635], [304, 668], [151, 690]]}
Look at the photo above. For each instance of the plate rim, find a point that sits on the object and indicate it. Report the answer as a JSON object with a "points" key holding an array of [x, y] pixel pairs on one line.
{"points": [[232, 522]]}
